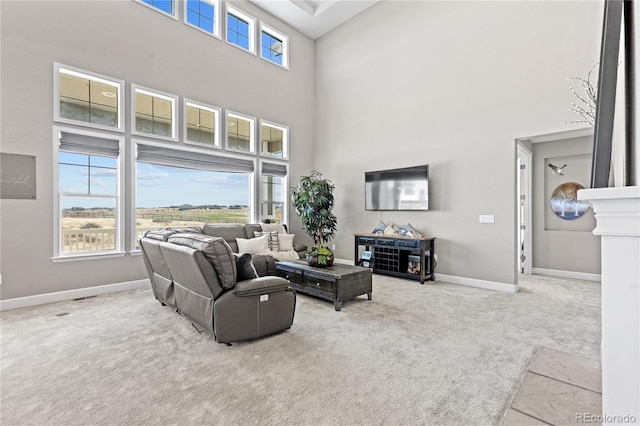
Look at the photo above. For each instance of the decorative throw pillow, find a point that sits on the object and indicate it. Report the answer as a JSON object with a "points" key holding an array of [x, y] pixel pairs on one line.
{"points": [[285, 241], [257, 245], [246, 270], [380, 227], [272, 239]]}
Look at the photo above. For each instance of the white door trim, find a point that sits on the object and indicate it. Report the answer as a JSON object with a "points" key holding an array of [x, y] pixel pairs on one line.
{"points": [[524, 179]]}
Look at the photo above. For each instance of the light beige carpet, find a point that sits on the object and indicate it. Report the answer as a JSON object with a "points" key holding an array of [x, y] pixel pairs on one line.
{"points": [[415, 354]]}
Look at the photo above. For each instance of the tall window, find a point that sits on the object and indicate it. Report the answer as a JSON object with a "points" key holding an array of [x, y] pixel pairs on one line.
{"points": [[240, 132], [202, 124], [203, 14], [88, 194], [272, 192], [273, 140], [165, 6], [240, 29], [88, 99], [178, 187], [154, 113], [274, 46]]}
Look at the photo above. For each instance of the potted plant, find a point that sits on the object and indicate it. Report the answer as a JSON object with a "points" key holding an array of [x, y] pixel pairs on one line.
{"points": [[313, 199]]}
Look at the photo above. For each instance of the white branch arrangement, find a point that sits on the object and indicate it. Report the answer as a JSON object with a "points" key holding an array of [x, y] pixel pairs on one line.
{"points": [[586, 106]]}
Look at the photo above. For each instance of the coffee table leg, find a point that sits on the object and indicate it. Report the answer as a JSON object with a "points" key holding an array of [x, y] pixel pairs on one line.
{"points": [[338, 304], [369, 295]]}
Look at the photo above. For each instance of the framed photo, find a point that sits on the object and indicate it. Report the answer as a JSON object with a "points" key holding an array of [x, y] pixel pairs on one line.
{"points": [[366, 255]]}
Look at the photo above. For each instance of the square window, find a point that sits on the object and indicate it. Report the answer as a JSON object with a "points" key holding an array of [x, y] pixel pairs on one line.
{"points": [[202, 124], [240, 133], [202, 14], [274, 46], [154, 113], [88, 99], [273, 140], [165, 6], [240, 29]]}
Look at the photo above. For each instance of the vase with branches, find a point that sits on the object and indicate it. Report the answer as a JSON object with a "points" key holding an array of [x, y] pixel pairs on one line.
{"points": [[312, 199], [585, 103]]}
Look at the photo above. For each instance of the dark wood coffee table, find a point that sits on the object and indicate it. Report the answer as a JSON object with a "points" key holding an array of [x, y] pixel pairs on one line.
{"points": [[336, 283]]}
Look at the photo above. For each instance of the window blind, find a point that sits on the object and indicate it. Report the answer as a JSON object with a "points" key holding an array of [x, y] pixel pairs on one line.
{"points": [[167, 156], [92, 145], [271, 169]]}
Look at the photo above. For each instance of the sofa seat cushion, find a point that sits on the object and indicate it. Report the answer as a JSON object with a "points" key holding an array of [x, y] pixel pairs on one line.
{"points": [[216, 250], [264, 264]]}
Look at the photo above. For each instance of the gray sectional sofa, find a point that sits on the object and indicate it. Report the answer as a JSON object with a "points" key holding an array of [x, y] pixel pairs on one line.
{"points": [[196, 274], [265, 265]]}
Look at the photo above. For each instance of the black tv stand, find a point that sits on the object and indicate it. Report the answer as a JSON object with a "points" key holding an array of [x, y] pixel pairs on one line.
{"points": [[399, 256]]}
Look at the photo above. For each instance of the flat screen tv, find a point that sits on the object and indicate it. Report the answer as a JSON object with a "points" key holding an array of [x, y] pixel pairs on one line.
{"points": [[397, 189]]}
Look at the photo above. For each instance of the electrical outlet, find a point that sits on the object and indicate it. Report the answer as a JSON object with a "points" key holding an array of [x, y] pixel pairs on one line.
{"points": [[487, 218], [0, 279], [435, 257], [333, 246]]}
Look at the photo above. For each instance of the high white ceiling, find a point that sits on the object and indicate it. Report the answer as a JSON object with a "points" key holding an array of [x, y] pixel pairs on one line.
{"points": [[314, 17]]}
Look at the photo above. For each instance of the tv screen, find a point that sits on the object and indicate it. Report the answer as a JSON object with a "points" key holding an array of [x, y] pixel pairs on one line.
{"points": [[397, 189]]}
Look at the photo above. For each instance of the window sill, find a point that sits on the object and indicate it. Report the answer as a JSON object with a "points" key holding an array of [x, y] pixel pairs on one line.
{"points": [[249, 51], [88, 256], [284, 67], [63, 120], [159, 138], [213, 34]]}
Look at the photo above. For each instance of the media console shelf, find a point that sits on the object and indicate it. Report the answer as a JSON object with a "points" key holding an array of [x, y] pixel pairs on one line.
{"points": [[406, 257]]}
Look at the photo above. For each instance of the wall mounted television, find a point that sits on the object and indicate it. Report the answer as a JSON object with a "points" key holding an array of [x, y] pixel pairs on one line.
{"points": [[397, 189]]}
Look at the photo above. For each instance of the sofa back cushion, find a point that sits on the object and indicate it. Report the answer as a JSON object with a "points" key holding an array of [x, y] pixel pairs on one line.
{"points": [[228, 232], [165, 233], [216, 250]]}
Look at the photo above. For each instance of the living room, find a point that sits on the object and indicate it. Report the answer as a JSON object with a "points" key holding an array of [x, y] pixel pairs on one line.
{"points": [[449, 84]]}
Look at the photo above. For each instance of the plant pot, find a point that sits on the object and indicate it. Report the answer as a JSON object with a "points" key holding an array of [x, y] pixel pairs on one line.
{"points": [[313, 261]]}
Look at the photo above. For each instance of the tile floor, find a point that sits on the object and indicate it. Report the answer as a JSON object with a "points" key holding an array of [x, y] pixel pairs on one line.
{"points": [[558, 389]]}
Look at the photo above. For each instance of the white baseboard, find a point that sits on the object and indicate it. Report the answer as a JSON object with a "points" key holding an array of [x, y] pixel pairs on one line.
{"points": [[40, 299], [567, 274], [472, 282]]}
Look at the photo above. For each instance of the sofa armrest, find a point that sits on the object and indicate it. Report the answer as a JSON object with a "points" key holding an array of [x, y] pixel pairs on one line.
{"points": [[258, 286], [301, 249]]}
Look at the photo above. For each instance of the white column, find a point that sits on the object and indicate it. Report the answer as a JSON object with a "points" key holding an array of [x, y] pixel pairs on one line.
{"points": [[617, 212]]}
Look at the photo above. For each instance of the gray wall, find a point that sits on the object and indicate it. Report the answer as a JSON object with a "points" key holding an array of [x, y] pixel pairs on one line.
{"points": [[558, 244], [452, 84], [128, 41]]}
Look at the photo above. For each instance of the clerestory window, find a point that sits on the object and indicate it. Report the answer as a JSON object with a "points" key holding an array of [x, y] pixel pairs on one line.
{"points": [[165, 6], [202, 124], [240, 29], [240, 132], [88, 99], [203, 14], [274, 139], [274, 46], [154, 113]]}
